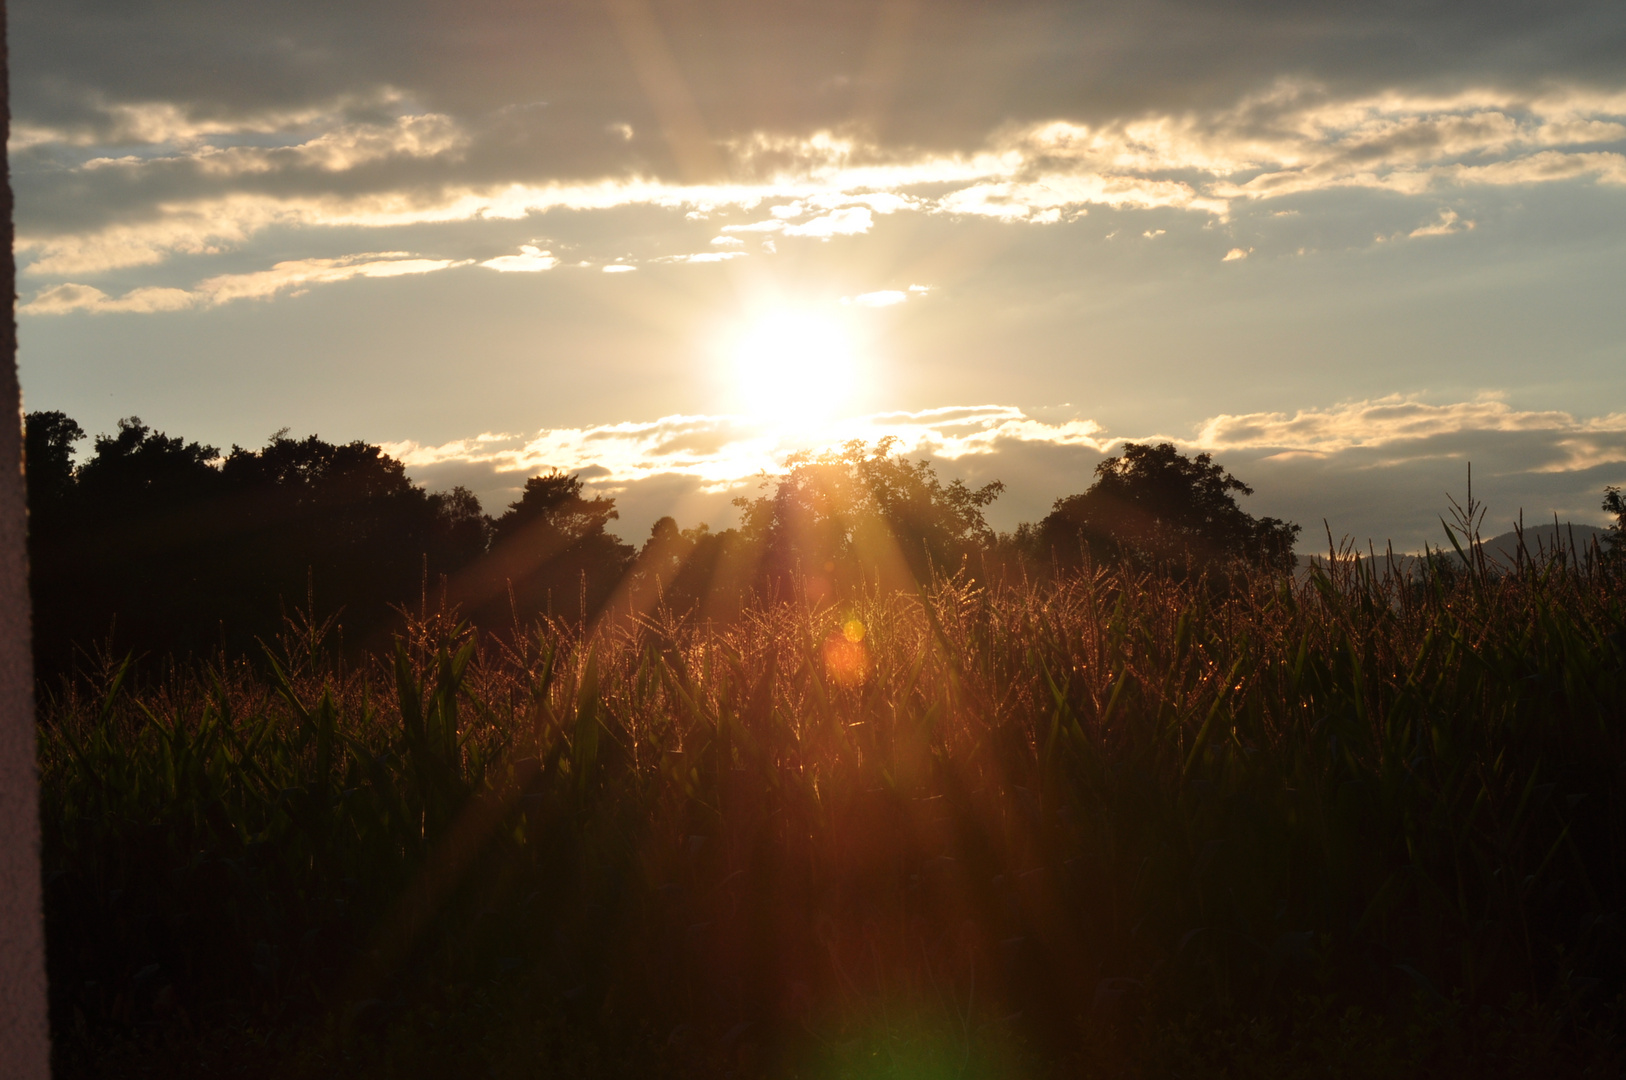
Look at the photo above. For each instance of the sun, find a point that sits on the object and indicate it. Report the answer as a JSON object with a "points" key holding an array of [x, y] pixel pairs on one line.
{"points": [[794, 369]]}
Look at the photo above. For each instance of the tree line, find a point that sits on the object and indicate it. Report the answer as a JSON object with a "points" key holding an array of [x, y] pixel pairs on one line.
{"points": [[163, 546]]}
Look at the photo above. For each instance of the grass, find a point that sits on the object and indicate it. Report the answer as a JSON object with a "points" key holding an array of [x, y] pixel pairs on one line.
{"points": [[1118, 825]]}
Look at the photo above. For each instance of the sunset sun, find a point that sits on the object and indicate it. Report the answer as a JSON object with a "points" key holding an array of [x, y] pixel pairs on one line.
{"points": [[793, 369]]}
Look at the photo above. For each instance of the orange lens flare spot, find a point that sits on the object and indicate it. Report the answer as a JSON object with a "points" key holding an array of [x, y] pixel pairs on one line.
{"points": [[846, 661], [853, 631]]}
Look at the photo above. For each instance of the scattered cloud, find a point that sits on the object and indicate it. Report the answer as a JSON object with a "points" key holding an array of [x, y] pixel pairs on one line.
{"points": [[886, 297], [619, 268], [297, 275], [293, 277], [772, 225], [174, 124], [348, 146], [211, 226], [530, 260], [1236, 254], [1382, 465], [195, 187], [728, 450], [881, 202], [69, 297], [844, 221], [849, 221], [1447, 224], [1391, 422], [881, 298], [701, 257]]}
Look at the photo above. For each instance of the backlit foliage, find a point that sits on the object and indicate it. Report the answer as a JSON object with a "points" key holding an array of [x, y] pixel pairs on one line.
{"points": [[1357, 825]]}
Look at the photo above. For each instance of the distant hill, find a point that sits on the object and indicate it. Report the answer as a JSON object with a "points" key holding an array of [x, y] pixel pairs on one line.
{"points": [[1539, 541]]}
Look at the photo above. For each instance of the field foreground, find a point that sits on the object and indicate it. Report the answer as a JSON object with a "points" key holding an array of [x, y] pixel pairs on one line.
{"points": [[1117, 826]]}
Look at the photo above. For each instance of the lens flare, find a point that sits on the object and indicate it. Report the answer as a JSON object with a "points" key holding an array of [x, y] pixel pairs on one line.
{"points": [[846, 658]]}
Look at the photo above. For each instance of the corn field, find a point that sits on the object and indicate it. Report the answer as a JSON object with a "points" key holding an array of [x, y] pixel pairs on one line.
{"points": [[1360, 823]]}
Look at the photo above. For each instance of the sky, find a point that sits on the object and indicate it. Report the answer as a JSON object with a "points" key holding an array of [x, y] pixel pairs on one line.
{"points": [[1349, 249]]}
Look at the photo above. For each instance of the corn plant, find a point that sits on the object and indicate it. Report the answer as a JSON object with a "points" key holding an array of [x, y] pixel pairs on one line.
{"points": [[1115, 822]]}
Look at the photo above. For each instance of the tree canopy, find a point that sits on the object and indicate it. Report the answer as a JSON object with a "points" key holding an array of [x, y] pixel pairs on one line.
{"points": [[48, 455], [864, 513], [551, 552], [1155, 506], [157, 543], [1614, 504], [163, 545]]}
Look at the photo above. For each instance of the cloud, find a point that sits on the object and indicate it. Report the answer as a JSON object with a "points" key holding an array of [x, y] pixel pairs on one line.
{"points": [[881, 202], [1379, 469], [200, 188], [1236, 254], [191, 229], [69, 297], [701, 257], [1295, 137], [171, 123], [772, 225], [881, 298], [294, 276], [530, 260], [1050, 196], [851, 221], [212, 226], [618, 268], [728, 450], [1447, 224], [745, 65], [1369, 423], [348, 146], [1392, 424]]}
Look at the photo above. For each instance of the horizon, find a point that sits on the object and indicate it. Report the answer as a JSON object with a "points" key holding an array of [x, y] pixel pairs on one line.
{"points": [[663, 247], [635, 529]]}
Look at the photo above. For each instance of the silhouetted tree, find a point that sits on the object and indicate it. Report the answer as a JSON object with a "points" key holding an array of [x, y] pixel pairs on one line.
{"points": [[1615, 503], [693, 571], [159, 544], [347, 519], [48, 444], [1154, 506], [863, 513], [137, 558], [140, 472], [461, 531], [665, 556], [163, 545], [552, 549], [48, 449]]}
